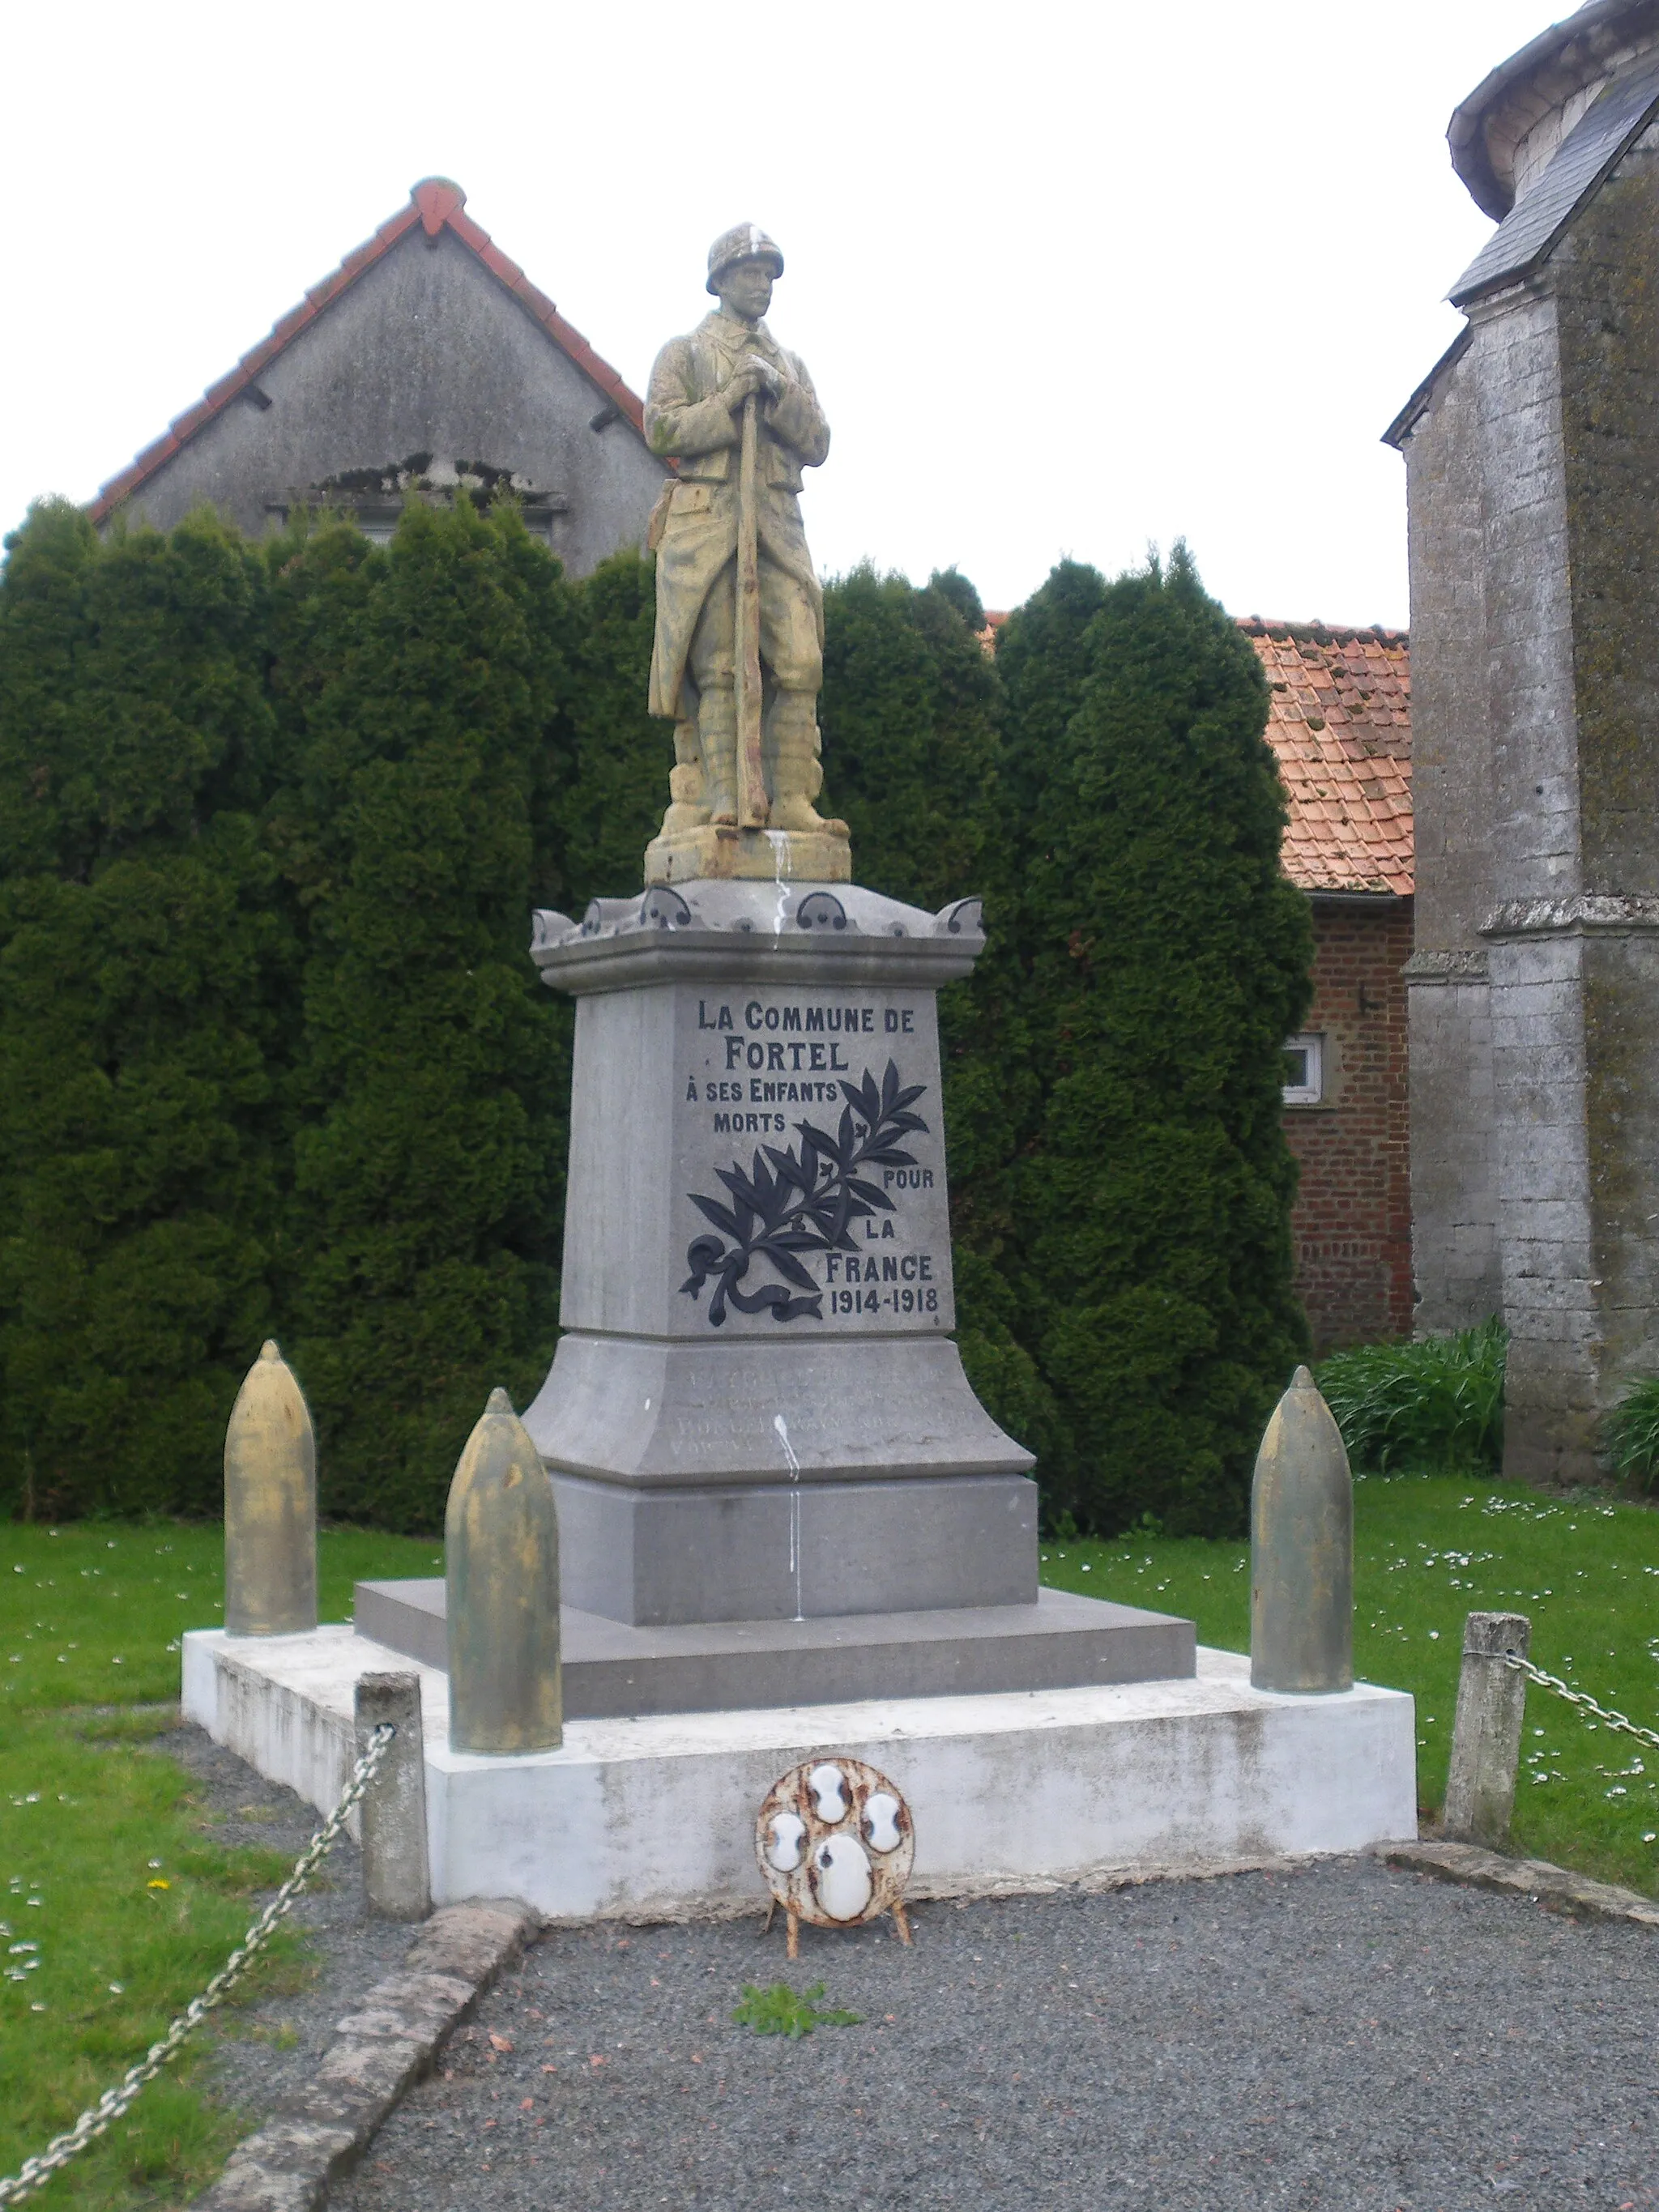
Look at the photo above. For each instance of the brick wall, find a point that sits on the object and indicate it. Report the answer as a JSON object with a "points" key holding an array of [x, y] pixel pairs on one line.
{"points": [[1353, 1221]]}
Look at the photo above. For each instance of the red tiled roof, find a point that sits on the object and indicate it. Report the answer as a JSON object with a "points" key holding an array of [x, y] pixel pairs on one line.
{"points": [[434, 202], [1340, 724], [1340, 727]]}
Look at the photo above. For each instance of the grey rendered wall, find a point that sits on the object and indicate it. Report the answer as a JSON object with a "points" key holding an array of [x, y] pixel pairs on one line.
{"points": [[1536, 475], [1605, 277], [1537, 1013], [1454, 1258], [425, 352]]}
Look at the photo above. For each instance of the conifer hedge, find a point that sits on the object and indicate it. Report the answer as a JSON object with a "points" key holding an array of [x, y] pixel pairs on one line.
{"points": [[273, 1060]]}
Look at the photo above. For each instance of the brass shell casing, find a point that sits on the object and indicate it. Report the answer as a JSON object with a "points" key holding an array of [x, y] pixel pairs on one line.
{"points": [[270, 1504], [501, 1567], [1302, 1549]]}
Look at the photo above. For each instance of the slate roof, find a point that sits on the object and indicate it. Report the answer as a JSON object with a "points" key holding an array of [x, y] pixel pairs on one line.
{"points": [[1560, 60], [1595, 145], [1339, 725], [437, 204]]}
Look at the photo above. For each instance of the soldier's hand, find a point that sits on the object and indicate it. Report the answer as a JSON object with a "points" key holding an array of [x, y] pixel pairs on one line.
{"points": [[751, 374]]}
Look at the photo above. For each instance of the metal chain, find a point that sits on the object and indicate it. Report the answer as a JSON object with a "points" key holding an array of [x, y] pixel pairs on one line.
{"points": [[1579, 1697], [36, 2172]]}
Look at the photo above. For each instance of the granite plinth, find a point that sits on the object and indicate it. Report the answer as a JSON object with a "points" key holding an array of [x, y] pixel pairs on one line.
{"points": [[613, 1669], [756, 1409], [785, 1551]]}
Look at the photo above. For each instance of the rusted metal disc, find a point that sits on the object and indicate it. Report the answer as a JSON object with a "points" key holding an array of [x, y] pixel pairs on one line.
{"points": [[834, 1842]]}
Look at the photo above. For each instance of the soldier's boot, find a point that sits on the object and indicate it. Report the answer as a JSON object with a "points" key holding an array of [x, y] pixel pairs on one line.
{"points": [[717, 733], [690, 807], [794, 775]]}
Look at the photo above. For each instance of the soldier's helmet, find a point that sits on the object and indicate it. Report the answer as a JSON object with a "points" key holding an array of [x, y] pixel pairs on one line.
{"points": [[745, 242]]}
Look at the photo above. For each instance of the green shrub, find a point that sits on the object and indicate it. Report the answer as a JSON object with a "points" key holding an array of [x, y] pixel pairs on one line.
{"points": [[147, 960], [420, 1254], [273, 1060], [1168, 959], [1630, 1435], [1436, 1404]]}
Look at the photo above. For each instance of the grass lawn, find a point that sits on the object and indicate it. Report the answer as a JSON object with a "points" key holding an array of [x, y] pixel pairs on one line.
{"points": [[91, 1826], [116, 1903], [1427, 1550]]}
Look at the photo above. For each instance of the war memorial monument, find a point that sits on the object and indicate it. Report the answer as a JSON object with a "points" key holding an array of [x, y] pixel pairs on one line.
{"points": [[772, 1519]]}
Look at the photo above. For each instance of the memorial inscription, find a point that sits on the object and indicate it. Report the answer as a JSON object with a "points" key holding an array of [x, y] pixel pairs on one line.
{"points": [[811, 1159]]}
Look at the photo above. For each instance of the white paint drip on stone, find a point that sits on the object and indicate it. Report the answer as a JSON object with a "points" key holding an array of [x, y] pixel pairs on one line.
{"points": [[782, 1428], [782, 869]]}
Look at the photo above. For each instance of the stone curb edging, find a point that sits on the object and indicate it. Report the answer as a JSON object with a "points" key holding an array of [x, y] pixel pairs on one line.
{"points": [[1551, 1885], [379, 2050]]}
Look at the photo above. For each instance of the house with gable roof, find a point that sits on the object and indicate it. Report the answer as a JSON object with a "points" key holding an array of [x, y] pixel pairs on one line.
{"points": [[427, 359], [1339, 725]]}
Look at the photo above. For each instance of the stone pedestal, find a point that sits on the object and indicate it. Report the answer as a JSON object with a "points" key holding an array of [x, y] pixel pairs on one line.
{"points": [[756, 1411], [654, 1816]]}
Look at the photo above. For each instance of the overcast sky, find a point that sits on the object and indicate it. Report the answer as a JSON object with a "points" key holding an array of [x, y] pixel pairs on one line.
{"points": [[1070, 279]]}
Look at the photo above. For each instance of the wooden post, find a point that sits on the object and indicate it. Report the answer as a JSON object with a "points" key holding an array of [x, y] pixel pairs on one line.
{"points": [[752, 805], [1491, 1702], [270, 1504], [396, 1882]]}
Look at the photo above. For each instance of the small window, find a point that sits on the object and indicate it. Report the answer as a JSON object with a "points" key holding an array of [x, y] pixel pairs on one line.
{"points": [[1304, 1071]]}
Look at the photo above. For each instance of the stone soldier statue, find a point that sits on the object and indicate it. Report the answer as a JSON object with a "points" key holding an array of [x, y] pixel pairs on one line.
{"points": [[695, 412]]}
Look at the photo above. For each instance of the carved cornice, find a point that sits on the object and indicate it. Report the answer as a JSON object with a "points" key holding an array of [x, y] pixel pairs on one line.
{"points": [[1576, 914], [1446, 967]]}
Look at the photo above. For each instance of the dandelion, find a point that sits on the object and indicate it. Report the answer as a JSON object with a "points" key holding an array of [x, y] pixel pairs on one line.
{"points": [[155, 1882]]}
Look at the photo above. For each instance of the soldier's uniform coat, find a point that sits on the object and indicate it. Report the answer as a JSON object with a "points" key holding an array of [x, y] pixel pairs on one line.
{"points": [[696, 529]]}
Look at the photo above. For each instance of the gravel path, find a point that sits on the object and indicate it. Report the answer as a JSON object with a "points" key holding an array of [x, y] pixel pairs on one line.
{"points": [[259, 2050], [1342, 2037]]}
